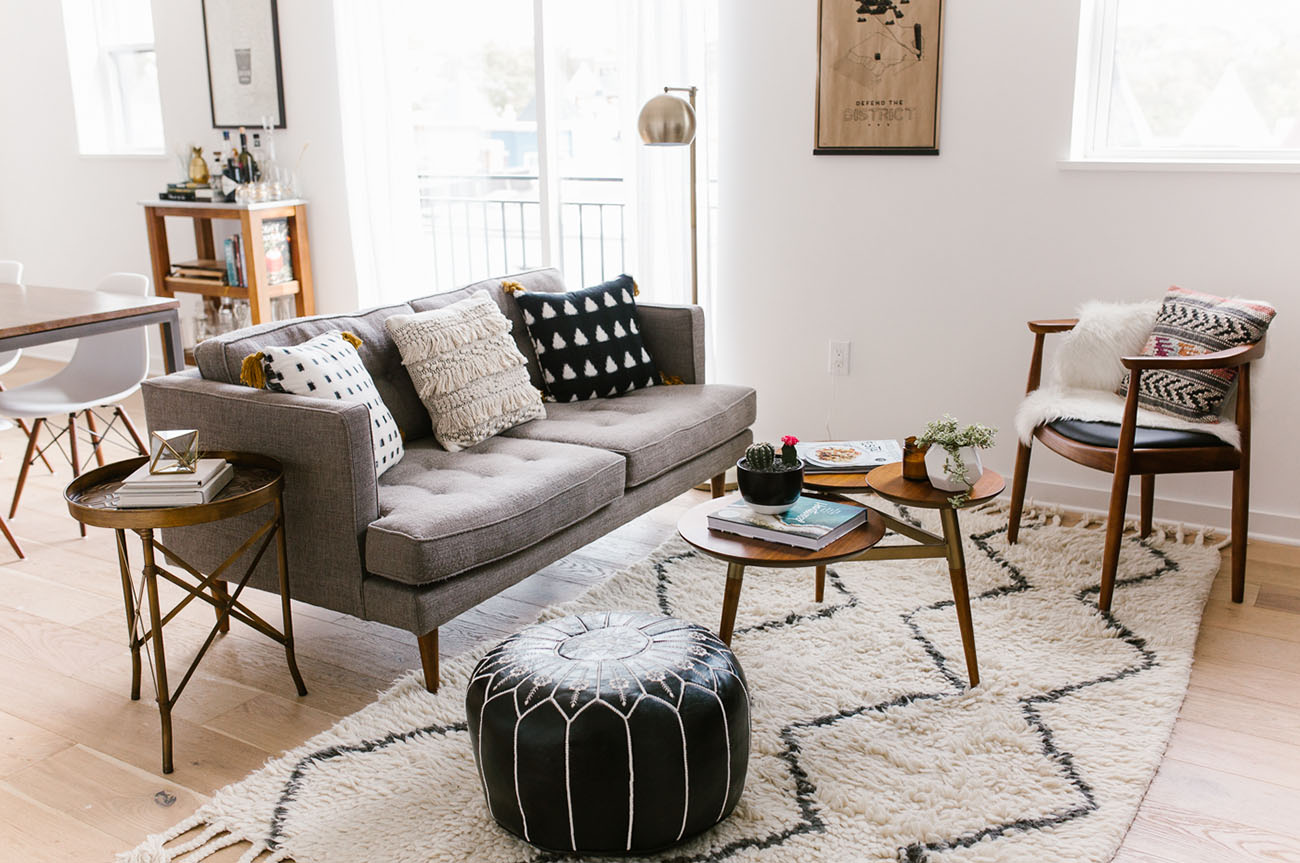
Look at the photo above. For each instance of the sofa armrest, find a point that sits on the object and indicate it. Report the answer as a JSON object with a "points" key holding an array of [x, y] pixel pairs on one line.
{"points": [[330, 495], [674, 335]]}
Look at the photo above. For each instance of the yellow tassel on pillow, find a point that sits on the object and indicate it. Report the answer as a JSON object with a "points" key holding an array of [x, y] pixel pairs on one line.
{"points": [[511, 287], [636, 289], [351, 339], [671, 380], [252, 373]]}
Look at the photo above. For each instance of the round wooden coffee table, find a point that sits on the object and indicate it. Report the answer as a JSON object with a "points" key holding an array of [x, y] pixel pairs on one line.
{"points": [[887, 482], [257, 483], [740, 552]]}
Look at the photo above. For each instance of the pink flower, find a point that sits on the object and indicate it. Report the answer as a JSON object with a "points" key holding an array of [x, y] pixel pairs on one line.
{"points": [[789, 440]]}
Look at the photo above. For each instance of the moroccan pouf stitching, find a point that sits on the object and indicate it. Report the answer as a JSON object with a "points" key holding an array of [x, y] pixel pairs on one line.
{"points": [[610, 732]]}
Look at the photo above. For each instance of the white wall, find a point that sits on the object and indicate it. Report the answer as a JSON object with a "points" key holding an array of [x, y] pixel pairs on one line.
{"points": [[73, 218], [931, 265]]}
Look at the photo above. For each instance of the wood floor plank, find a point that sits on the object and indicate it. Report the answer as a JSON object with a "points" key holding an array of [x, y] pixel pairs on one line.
{"points": [[107, 794], [24, 744], [67, 606], [1279, 597], [1264, 719], [1254, 620], [1241, 799], [1266, 684], [1247, 649], [30, 831], [1188, 836], [1238, 752], [273, 723]]}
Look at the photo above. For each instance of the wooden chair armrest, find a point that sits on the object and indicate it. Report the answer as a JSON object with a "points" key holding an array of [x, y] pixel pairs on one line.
{"points": [[1230, 358], [1053, 325]]}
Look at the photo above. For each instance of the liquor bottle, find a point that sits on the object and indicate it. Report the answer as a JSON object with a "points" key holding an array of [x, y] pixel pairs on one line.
{"points": [[247, 164]]}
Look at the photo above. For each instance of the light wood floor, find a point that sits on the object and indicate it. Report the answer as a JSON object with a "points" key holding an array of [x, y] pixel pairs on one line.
{"points": [[79, 766]]}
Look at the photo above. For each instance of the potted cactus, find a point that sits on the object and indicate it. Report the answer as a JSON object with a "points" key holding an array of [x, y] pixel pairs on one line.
{"points": [[770, 483]]}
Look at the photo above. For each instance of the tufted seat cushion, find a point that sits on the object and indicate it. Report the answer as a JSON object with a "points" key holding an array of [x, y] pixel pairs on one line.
{"points": [[443, 513], [1107, 435], [654, 429]]}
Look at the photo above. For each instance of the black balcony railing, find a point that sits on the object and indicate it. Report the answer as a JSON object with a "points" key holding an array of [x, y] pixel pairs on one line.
{"points": [[485, 225]]}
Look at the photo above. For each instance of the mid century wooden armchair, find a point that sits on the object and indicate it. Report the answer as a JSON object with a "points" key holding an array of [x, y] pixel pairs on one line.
{"points": [[1126, 449]]}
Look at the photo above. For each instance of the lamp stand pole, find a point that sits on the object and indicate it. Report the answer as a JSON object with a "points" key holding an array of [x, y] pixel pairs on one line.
{"points": [[695, 233]]}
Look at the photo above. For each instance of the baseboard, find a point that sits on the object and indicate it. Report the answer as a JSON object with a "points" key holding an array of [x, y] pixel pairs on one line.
{"points": [[1266, 526]]}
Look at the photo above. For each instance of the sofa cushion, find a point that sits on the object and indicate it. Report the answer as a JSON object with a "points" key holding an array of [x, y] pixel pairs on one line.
{"points": [[654, 429], [443, 513], [220, 358], [543, 281]]}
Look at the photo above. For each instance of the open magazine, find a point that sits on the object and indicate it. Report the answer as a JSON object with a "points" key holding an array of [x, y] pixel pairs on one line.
{"points": [[847, 456]]}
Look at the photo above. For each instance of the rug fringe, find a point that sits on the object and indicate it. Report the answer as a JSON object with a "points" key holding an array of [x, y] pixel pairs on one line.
{"points": [[1050, 515], [213, 838]]}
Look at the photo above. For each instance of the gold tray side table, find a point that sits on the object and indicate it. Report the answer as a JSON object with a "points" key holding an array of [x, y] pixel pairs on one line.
{"points": [[258, 482]]}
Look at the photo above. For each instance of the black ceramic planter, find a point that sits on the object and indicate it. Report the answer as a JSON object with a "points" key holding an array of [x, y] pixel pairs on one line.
{"points": [[769, 492]]}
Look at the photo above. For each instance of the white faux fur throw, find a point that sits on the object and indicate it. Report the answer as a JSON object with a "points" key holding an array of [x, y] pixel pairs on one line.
{"points": [[1086, 370]]}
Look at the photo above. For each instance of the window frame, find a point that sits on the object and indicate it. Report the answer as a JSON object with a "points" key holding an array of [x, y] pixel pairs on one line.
{"points": [[1093, 90]]}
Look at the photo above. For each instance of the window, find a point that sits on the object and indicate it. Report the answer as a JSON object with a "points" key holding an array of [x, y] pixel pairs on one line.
{"points": [[526, 151], [114, 76], [1188, 80]]}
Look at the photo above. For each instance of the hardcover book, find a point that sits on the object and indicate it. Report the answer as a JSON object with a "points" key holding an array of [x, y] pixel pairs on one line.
{"points": [[811, 523]]}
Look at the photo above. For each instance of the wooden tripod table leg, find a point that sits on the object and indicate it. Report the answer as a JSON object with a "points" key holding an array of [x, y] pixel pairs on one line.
{"points": [[730, 601], [960, 592], [821, 583]]}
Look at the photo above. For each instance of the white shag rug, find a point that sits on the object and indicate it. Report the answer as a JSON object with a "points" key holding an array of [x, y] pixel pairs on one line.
{"points": [[866, 744]]}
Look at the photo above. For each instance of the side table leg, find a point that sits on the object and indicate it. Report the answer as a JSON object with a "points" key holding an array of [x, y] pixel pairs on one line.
{"points": [[821, 583], [960, 592], [128, 594], [283, 559], [730, 601], [220, 594], [159, 656]]}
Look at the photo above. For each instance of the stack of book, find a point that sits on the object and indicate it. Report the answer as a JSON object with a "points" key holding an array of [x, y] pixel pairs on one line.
{"points": [[200, 271], [187, 191], [811, 523], [144, 489]]}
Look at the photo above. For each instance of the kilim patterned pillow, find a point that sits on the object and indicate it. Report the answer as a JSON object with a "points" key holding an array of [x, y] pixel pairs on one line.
{"points": [[589, 342], [467, 370], [328, 367], [1193, 323]]}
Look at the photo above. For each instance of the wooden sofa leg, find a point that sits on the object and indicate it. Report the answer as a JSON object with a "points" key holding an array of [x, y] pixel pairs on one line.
{"points": [[1018, 484], [1148, 502], [718, 485], [429, 659]]}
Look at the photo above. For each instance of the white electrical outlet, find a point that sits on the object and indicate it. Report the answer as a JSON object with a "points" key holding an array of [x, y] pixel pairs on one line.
{"points": [[837, 361]]}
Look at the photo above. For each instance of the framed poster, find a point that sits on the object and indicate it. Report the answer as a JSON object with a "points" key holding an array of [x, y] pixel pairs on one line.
{"points": [[243, 44], [878, 74]]}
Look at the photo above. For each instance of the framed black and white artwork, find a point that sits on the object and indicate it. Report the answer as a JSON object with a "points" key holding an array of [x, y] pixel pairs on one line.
{"points": [[244, 80]]}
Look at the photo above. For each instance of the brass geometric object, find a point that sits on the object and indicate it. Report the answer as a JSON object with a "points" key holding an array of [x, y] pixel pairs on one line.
{"points": [[174, 451]]}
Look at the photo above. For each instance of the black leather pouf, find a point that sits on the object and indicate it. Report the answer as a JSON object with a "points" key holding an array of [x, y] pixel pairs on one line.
{"points": [[610, 733]]}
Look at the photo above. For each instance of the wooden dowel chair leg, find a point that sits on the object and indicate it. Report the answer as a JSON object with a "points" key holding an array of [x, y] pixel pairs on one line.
{"points": [[22, 424], [96, 439], [1240, 523], [130, 427], [429, 659], [28, 458], [1018, 485], [13, 541], [1148, 502]]}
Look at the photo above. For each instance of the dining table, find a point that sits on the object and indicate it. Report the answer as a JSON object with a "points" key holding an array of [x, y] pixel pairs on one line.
{"points": [[38, 315]]}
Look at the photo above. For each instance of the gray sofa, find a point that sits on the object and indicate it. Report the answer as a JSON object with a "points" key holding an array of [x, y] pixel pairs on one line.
{"points": [[440, 532]]}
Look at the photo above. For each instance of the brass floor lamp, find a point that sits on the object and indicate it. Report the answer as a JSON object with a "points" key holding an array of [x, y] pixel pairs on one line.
{"points": [[669, 121]]}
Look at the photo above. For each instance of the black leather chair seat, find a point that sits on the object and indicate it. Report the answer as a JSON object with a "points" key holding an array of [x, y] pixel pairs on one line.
{"points": [[610, 732], [1107, 435]]}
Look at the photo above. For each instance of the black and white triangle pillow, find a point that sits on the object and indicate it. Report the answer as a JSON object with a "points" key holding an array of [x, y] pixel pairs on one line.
{"points": [[589, 342]]}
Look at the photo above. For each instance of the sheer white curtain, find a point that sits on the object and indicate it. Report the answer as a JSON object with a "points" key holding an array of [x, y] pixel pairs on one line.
{"points": [[378, 150], [663, 43]]}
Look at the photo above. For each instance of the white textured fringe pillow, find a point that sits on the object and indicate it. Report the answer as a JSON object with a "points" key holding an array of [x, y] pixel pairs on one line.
{"points": [[467, 370]]}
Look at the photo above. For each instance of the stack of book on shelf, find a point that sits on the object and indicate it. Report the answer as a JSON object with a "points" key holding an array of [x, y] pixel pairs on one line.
{"points": [[811, 523], [144, 489], [187, 191], [847, 456], [200, 271]]}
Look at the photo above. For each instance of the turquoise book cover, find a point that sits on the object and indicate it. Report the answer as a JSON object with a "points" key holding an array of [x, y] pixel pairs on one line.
{"points": [[808, 517]]}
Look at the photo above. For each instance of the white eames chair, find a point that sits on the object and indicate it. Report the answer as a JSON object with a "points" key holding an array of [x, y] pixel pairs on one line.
{"points": [[104, 370], [11, 273]]}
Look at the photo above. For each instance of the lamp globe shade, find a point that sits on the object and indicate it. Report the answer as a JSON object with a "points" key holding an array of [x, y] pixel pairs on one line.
{"points": [[666, 121]]}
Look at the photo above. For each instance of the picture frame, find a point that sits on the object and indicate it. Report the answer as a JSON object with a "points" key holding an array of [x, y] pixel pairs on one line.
{"points": [[879, 75], [242, 42]]}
